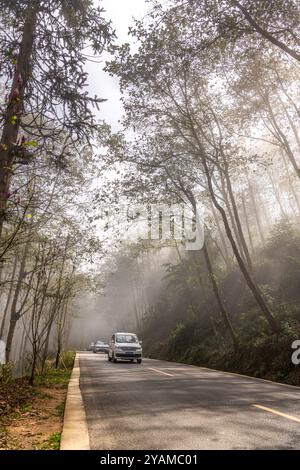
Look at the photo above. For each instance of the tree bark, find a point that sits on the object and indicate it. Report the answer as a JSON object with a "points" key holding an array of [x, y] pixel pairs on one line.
{"points": [[237, 221], [231, 216], [223, 312], [214, 283], [281, 136], [8, 298], [254, 205], [15, 108], [220, 234], [33, 367], [14, 315], [265, 33], [247, 223], [277, 195], [248, 278], [291, 186]]}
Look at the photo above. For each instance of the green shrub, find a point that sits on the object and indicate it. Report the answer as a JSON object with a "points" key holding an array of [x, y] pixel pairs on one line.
{"points": [[67, 359], [52, 443], [6, 373]]}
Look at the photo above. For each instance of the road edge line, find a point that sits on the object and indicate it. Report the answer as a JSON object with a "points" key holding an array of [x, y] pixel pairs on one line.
{"points": [[75, 435], [161, 372], [277, 413]]}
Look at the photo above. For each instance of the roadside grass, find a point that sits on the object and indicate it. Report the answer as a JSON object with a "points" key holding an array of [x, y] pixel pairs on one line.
{"points": [[3, 435], [40, 393], [6, 441], [54, 377], [61, 409], [24, 407], [31, 417], [57, 376], [14, 394], [52, 443]]}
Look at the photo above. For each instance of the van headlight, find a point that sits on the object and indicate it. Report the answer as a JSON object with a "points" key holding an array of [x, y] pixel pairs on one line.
{"points": [[139, 350]]}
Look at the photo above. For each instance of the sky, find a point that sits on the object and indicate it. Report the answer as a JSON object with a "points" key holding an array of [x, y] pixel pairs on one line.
{"points": [[121, 13]]}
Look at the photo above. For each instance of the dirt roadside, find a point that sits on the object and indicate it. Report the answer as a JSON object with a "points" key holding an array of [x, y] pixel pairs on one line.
{"points": [[31, 418]]}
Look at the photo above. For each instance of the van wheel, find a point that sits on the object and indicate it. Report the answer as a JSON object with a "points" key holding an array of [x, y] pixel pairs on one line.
{"points": [[139, 361], [114, 359]]}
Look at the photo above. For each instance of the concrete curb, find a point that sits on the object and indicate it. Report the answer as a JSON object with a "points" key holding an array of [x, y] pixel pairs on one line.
{"points": [[75, 434]]}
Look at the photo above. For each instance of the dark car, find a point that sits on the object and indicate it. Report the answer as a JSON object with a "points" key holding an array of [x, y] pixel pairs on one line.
{"points": [[101, 346]]}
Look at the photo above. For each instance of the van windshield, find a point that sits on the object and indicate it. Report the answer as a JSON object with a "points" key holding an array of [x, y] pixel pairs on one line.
{"points": [[126, 339]]}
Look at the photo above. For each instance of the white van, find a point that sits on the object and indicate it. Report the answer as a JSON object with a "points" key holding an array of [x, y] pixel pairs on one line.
{"points": [[125, 346]]}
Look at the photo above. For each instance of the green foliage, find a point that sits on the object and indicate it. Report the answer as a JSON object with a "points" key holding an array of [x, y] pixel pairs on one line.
{"points": [[6, 373], [196, 340], [31, 143], [60, 41], [262, 356], [52, 443], [67, 360], [59, 377], [61, 409]]}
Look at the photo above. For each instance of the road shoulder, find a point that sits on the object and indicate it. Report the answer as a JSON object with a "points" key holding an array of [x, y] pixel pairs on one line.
{"points": [[75, 434]]}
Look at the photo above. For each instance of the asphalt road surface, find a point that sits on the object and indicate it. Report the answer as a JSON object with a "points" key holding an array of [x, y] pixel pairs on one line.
{"points": [[166, 405]]}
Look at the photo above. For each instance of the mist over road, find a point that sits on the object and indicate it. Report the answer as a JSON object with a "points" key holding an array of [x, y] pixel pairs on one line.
{"points": [[166, 405]]}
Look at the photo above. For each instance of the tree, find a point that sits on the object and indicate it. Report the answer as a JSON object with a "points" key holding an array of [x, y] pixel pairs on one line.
{"points": [[42, 57], [266, 34], [162, 96]]}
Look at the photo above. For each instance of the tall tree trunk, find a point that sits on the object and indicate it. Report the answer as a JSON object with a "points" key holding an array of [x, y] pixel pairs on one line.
{"points": [[8, 297], [237, 220], [54, 307], [264, 33], [248, 278], [22, 345], [281, 137], [255, 209], [10, 336], [247, 223], [24, 350], [262, 206], [215, 242], [188, 288], [223, 312], [221, 235], [58, 354], [284, 91], [291, 186], [46, 347], [291, 122], [15, 107], [277, 195], [231, 216], [14, 316], [204, 294], [33, 367], [215, 287], [247, 275]]}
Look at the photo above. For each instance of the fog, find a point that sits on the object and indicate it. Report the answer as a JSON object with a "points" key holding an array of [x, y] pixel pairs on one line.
{"points": [[131, 289]]}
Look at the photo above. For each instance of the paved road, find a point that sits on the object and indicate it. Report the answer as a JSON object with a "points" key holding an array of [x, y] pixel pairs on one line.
{"points": [[165, 405]]}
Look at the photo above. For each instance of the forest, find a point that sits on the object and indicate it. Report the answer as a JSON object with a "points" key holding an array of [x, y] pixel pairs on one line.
{"points": [[210, 104], [212, 117]]}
